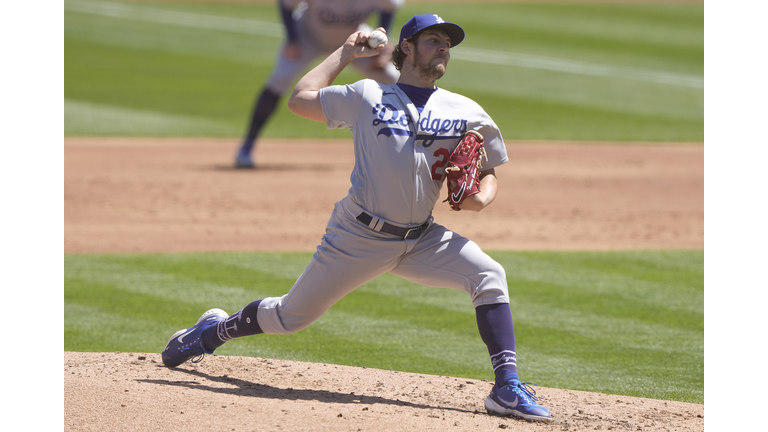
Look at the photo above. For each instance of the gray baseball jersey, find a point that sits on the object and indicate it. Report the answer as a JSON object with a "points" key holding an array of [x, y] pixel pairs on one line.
{"points": [[399, 154], [396, 180]]}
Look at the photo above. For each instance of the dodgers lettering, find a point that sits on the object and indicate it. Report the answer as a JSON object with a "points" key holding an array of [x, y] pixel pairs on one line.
{"points": [[437, 125], [446, 128], [390, 115]]}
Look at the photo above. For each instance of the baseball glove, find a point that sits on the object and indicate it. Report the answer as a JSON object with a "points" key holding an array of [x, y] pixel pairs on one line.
{"points": [[463, 168]]}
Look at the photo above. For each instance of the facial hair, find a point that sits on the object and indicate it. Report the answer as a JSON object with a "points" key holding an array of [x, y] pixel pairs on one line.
{"points": [[426, 70]]}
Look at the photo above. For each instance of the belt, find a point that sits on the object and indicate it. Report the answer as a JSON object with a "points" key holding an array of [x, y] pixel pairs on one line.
{"points": [[387, 228]]}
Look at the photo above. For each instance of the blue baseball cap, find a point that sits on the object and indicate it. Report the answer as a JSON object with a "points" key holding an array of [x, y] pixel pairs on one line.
{"points": [[422, 22]]}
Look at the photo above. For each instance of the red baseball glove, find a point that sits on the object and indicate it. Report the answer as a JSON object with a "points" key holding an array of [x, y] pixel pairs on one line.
{"points": [[463, 168]]}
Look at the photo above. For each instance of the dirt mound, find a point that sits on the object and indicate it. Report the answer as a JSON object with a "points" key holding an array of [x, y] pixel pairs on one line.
{"points": [[135, 392]]}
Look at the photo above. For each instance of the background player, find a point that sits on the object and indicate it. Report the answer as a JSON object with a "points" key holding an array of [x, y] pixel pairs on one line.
{"points": [[315, 28], [402, 135]]}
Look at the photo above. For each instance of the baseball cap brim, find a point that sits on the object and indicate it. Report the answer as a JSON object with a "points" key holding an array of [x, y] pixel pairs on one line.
{"points": [[419, 23], [455, 32]]}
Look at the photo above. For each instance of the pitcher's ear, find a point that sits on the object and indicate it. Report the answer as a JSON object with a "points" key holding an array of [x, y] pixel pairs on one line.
{"points": [[406, 47]]}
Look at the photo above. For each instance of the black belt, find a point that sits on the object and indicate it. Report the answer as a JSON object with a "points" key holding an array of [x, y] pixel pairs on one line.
{"points": [[387, 228]]}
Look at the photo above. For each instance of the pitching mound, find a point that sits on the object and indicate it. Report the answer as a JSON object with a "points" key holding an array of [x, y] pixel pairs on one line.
{"points": [[112, 392]]}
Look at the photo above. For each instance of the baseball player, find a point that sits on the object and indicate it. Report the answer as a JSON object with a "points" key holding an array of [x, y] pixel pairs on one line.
{"points": [[315, 28], [405, 136]]}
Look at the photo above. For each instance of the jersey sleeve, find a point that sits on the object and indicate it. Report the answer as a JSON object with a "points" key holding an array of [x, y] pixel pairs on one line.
{"points": [[341, 104], [493, 142], [494, 145]]}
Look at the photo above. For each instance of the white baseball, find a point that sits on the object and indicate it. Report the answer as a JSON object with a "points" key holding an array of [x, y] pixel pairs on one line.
{"points": [[377, 38]]}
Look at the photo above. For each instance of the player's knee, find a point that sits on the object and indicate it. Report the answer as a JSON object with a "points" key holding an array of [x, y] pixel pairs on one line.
{"points": [[275, 318], [495, 274], [491, 286]]}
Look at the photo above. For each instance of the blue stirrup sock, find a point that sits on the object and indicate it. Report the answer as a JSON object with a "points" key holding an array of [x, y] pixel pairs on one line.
{"points": [[243, 323], [495, 325]]}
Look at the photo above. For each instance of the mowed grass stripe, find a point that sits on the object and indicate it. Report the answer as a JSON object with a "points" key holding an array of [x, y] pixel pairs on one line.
{"points": [[537, 117], [631, 332], [287, 265], [273, 30], [100, 329], [176, 18], [555, 289], [647, 376], [140, 321], [614, 304], [457, 348], [211, 74], [141, 36], [620, 285], [168, 81], [668, 37], [545, 314], [574, 92], [170, 284], [592, 321], [554, 64], [627, 275], [210, 284], [82, 118]]}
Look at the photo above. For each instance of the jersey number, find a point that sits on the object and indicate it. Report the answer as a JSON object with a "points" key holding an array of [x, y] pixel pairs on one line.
{"points": [[442, 154]]}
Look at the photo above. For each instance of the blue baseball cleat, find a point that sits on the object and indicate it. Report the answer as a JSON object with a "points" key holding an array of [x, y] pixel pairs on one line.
{"points": [[187, 344], [243, 159], [517, 399]]}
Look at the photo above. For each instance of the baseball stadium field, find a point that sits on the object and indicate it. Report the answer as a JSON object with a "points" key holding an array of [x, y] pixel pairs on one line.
{"points": [[599, 223]]}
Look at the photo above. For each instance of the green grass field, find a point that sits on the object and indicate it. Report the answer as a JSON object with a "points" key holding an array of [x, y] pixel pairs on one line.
{"points": [[628, 323], [630, 72]]}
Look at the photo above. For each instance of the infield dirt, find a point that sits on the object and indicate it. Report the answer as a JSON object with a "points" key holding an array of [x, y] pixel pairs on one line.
{"points": [[176, 195]]}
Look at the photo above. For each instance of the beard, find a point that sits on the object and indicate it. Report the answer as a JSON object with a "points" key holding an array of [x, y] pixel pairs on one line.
{"points": [[428, 71]]}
